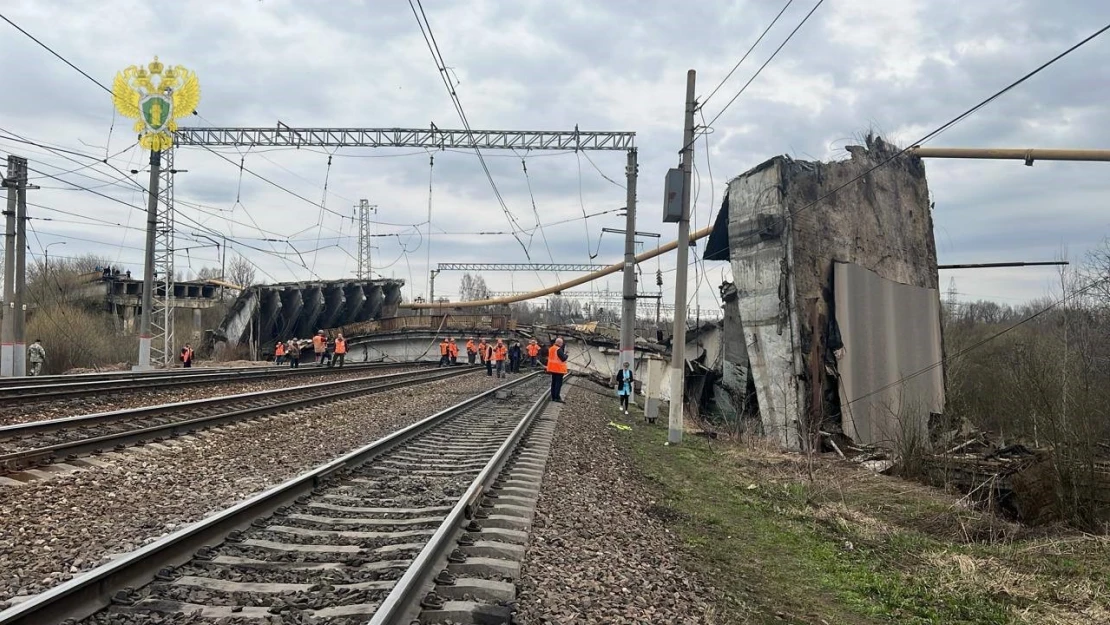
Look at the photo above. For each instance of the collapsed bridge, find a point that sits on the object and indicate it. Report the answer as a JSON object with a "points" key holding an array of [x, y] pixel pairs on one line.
{"points": [[265, 314]]}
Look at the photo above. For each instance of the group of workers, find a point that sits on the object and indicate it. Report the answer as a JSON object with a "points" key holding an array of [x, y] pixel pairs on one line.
{"points": [[495, 357], [503, 359], [326, 352]]}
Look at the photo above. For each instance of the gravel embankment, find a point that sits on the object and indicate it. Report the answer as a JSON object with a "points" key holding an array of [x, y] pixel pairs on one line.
{"points": [[53, 529], [41, 410], [596, 555]]}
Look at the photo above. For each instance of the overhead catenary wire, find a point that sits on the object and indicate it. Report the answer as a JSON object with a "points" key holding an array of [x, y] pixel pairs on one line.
{"points": [[138, 186], [746, 54], [984, 341], [539, 222], [105, 88], [762, 67], [51, 51], [441, 66], [952, 122], [240, 166]]}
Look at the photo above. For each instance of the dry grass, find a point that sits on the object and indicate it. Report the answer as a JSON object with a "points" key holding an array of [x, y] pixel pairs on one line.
{"points": [[820, 538]]}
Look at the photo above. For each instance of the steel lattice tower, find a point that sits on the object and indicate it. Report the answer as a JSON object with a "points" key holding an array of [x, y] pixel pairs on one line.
{"points": [[162, 345], [365, 265]]}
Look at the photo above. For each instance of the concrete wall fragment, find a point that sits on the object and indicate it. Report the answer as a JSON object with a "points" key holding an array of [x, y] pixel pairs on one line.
{"points": [[788, 222]]}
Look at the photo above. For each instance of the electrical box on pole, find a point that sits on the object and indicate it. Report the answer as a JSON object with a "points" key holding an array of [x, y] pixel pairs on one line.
{"points": [[672, 196]]}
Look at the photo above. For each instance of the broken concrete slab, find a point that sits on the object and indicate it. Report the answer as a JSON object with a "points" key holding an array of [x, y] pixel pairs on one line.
{"points": [[788, 221]]}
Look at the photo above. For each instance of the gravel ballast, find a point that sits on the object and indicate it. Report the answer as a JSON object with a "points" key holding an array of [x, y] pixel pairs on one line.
{"points": [[42, 410], [596, 555], [54, 529]]}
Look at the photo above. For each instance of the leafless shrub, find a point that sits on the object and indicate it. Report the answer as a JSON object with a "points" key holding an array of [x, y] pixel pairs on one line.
{"points": [[75, 337], [1043, 382]]}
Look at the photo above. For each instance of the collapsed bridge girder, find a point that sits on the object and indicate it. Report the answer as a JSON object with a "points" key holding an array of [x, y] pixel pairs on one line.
{"points": [[278, 312]]}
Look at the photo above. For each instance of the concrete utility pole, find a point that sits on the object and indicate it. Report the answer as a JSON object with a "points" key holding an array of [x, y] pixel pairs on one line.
{"points": [[432, 284], [7, 331], [628, 312], [19, 346], [678, 342], [148, 264]]}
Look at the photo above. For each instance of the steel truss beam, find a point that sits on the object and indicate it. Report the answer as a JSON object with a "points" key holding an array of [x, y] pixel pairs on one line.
{"points": [[432, 138], [517, 267]]}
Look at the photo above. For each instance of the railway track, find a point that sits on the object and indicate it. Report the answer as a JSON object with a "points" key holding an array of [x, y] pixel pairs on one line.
{"points": [[26, 445], [64, 387], [443, 505]]}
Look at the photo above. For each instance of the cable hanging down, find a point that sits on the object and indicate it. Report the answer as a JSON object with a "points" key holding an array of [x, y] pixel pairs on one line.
{"points": [[441, 67]]}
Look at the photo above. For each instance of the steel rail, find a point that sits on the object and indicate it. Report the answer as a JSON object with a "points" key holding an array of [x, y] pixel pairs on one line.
{"points": [[330, 391], [84, 595], [55, 390], [161, 373], [405, 597]]}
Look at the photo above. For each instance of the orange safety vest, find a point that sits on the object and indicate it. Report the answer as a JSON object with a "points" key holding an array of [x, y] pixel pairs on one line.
{"points": [[279, 350], [443, 348], [341, 346], [470, 349], [499, 352], [452, 349], [319, 343], [533, 350], [554, 365]]}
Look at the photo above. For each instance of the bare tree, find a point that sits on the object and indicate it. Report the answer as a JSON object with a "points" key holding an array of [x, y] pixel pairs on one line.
{"points": [[473, 288], [1096, 271], [209, 273], [241, 272]]}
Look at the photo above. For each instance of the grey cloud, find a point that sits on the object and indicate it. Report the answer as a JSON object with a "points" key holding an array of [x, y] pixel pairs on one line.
{"points": [[614, 65]]}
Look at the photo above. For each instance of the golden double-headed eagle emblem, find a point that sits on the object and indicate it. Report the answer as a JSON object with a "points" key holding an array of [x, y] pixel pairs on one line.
{"points": [[156, 96]]}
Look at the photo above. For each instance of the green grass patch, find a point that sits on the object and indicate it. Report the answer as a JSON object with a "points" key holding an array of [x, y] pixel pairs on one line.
{"points": [[846, 546]]}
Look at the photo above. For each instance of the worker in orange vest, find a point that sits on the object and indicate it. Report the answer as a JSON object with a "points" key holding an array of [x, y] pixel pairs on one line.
{"points": [[340, 350], [444, 348], [487, 356], [320, 348], [557, 367], [453, 351], [187, 356], [483, 347], [471, 351], [500, 353], [279, 353], [533, 351]]}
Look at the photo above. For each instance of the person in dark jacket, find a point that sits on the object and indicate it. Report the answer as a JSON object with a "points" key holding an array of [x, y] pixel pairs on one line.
{"points": [[515, 354], [624, 386]]}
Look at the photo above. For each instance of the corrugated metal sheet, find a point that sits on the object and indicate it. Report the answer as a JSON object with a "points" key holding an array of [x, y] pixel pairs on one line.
{"points": [[891, 376]]}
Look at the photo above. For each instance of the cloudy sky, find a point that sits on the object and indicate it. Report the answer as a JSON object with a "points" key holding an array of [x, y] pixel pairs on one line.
{"points": [[898, 67]]}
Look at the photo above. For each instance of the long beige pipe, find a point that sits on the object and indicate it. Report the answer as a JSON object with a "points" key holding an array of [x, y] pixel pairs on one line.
{"points": [[1029, 155], [1018, 154], [600, 273]]}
